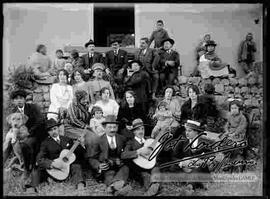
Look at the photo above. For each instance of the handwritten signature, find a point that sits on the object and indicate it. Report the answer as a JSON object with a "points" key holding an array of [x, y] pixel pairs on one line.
{"points": [[167, 142]]}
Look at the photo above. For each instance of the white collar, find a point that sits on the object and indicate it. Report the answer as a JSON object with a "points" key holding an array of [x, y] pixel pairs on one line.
{"points": [[91, 53], [117, 50], [57, 138], [139, 139], [109, 138], [21, 109], [195, 143]]}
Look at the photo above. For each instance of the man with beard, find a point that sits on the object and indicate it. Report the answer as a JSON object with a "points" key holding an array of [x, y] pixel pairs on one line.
{"points": [[105, 158]]}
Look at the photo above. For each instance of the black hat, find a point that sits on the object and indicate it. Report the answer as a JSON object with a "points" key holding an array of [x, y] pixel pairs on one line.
{"points": [[15, 93], [194, 125], [169, 40], [110, 119], [135, 61], [210, 43], [88, 43], [51, 123]]}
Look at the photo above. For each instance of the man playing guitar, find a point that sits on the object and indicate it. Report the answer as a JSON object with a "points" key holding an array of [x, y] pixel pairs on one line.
{"points": [[48, 158]]}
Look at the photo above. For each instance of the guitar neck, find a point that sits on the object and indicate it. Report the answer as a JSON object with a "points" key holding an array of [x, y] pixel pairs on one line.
{"points": [[73, 148]]}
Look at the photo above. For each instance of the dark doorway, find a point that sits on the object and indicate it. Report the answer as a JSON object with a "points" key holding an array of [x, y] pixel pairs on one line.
{"points": [[112, 22]]}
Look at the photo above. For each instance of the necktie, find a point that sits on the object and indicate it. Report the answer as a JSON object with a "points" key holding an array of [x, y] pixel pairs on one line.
{"points": [[21, 110], [58, 140], [141, 141], [112, 144], [115, 53]]}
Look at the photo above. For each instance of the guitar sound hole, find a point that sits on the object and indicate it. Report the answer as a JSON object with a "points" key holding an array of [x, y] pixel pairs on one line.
{"points": [[65, 159]]}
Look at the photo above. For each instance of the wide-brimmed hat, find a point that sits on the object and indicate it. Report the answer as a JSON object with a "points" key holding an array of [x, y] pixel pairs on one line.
{"points": [[51, 123], [210, 43], [194, 125], [135, 61], [98, 66], [15, 93], [136, 124], [110, 119], [88, 43], [169, 40]]}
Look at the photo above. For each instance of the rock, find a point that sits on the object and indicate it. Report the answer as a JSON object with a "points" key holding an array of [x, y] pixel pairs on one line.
{"points": [[216, 81], [244, 90], [225, 82], [260, 91], [247, 96], [233, 81], [46, 104], [38, 90], [38, 97], [242, 82], [247, 102], [219, 88], [255, 102], [220, 99], [228, 89], [194, 80], [46, 96], [254, 90], [236, 90], [45, 88], [260, 80], [252, 80], [182, 79]]}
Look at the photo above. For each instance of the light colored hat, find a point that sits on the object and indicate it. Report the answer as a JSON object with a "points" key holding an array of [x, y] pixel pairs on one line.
{"points": [[98, 66]]}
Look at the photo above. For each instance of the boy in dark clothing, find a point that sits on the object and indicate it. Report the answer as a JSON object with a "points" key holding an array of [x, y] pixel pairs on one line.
{"points": [[158, 35]]}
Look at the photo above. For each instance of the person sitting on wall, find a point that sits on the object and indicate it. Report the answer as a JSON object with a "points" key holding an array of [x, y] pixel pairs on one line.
{"points": [[92, 57], [168, 63], [211, 64], [41, 65], [49, 153], [158, 35], [105, 158], [201, 48], [59, 62], [98, 83], [76, 60], [117, 61]]}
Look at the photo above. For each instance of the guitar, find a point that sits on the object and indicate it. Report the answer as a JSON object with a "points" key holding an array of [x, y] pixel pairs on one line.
{"points": [[66, 158], [143, 159]]}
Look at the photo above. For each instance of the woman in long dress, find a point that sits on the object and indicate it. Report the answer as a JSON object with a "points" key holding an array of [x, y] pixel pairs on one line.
{"points": [[61, 95]]}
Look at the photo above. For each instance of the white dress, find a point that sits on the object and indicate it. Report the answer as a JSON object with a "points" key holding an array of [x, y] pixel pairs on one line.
{"points": [[110, 108], [61, 96], [206, 71]]}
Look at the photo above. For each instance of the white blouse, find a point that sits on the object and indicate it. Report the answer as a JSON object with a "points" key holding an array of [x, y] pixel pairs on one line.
{"points": [[110, 108]]}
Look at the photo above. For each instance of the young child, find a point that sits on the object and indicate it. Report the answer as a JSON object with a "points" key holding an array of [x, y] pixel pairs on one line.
{"points": [[96, 121], [158, 35], [164, 117], [236, 125], [59, 62]]}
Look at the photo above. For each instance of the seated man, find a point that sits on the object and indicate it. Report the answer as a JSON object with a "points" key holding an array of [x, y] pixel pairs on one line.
{"points": [[35, 128], [104, 158], [133, 149], [48, 155]]}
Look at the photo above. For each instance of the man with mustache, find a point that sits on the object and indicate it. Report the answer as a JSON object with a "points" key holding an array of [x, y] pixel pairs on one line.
{"points": [[104, 158]]}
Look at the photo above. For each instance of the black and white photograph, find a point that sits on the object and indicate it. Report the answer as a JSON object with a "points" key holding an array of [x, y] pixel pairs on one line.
{"points": [[133, 99]]}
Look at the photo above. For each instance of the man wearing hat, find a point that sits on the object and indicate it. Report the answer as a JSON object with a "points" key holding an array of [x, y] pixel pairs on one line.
{"points": [[149, 59], [117, 62], [105, 158], [50, 150], [168, 63], [35, 127], [90, 58], [134, 148], [188, 148], [210, 64], [98, 83]]}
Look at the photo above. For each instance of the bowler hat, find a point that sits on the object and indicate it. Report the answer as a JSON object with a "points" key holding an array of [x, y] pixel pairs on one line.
{"points": [[51, 123], [16, 93], [210, 43], [88, 43], [135, 61], [169, 40], [98, 66], [136, 124], [194, 125], [110, 119]]}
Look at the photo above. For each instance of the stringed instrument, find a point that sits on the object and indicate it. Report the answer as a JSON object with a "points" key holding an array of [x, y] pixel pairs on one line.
{"points": [[66, 158]]}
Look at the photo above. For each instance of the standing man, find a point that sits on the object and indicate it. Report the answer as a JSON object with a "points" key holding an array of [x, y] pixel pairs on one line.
{"points": [[246, 54], [149, 59], [117, 61], [104, 158], [158, 35], [90, 58], [168, 63], [133, 149], [35, 127]]}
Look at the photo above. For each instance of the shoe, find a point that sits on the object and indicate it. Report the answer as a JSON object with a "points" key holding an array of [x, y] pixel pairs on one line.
{"points": [[126, 190], [117, 185], [153, 190], [80, 186]]}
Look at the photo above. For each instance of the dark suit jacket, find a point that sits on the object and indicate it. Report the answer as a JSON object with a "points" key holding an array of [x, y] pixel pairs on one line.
{"points": [[50, 150], [97, 58], [115, 64], [100, 151], [131, 148], [35, 122], [149, 60], [164, 56]]}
